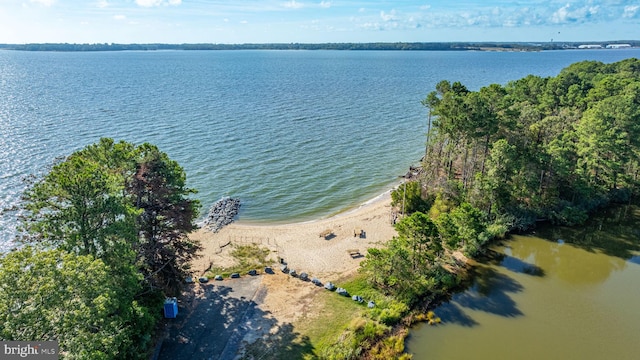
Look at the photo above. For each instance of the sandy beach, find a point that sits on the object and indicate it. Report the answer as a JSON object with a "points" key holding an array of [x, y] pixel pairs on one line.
{"points": [[271, 307], [300, 245], [228, 318]]}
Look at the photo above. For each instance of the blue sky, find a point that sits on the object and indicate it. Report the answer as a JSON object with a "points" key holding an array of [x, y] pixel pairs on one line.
{"points": [[313, 21]]}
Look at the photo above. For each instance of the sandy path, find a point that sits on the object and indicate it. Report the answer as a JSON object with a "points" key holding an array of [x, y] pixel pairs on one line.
{"points": [[300, 245]]}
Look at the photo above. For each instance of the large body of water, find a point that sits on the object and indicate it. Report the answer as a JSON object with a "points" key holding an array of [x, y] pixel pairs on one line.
{"points": [[294, 134], [563, 293]]}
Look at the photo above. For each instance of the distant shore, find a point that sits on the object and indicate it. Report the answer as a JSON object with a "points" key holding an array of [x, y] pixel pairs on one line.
{"points": [[385, 46]]}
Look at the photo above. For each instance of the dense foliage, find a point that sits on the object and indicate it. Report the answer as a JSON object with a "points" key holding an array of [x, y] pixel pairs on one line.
{"points": [[538, 148], [501, 158], [106, 238], [111, 199], [75, 299]]}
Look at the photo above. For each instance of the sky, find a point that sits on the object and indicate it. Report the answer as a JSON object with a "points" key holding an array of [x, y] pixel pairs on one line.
{"points": [[315, 21]]}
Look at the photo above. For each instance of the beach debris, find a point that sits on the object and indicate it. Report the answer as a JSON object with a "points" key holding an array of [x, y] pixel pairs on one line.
{"points": [[342, 291], [235, 275], [253, 272], [357, 298], [371, 304], [304, 276], [268, 270], [284, 268], [329, 286], [203, 279], [222, 213], [217, 277], [413, 172], [316, 281]]}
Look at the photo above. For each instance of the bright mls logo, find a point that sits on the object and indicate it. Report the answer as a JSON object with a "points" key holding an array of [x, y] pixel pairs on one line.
{"points": [[41, 350]]}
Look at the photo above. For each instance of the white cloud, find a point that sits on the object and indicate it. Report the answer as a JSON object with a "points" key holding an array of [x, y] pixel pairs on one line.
{"points": [[102, 4], [391, 16], [293, 4], [152, 3], [119, 17], [630, 11], [148, 3], [371, 26], [44, 2], [566, 15], [425, 7], [561, 14], [325, 4]]}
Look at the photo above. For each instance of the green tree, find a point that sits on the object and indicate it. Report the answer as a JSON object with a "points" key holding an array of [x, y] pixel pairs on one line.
{"points": [[159, 190], [607, 136], [406, 266], [423, 240], [387, 269], [408, 197], [109, 199], [463, 229], [76, 207], [76, 300]]}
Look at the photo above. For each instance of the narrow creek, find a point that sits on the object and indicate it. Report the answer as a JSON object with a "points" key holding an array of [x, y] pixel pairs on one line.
{"points": [[561, 293]]}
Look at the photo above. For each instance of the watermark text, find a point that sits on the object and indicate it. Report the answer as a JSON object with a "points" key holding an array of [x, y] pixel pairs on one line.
{"points": [[36, 350]]}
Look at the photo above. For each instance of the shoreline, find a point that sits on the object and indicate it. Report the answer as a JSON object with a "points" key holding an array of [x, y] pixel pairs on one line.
{"points": [[300, 243], [386, 195], [319, 214]]}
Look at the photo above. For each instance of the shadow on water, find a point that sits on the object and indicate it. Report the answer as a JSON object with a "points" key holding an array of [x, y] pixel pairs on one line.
{"points": [[634, 259], [490, 293], [614, 232], [450, 313], [512, 263], [215, 322]]}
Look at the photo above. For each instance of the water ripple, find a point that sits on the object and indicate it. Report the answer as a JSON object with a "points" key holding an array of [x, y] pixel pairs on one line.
{"points": [[295, 135]]}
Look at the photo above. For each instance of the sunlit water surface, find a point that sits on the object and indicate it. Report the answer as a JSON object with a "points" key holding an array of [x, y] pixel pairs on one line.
{"points": [[295, 135]]}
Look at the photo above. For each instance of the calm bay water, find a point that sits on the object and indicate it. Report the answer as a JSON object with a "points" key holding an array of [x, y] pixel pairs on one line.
{"points": [[562, 294], [295, 134]]}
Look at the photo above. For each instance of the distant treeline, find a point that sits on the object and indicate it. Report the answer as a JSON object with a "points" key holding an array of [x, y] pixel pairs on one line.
{"points": [[404, 46]]}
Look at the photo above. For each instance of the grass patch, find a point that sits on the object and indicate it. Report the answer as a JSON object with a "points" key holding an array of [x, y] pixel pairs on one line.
{"points": [[346, 329], [335, 313], [248, 257], [330, 316]]}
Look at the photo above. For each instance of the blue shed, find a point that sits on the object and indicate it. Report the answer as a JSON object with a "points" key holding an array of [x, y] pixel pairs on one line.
{"points": [[170, 308]]}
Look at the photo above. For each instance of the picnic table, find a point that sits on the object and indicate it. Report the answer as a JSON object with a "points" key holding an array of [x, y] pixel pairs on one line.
{"points": [[326, 233], [354, 253]]}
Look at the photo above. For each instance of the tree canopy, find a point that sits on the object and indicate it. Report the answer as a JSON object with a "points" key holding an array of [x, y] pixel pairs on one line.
{"points": [[76, 300], [537, 147], [104, 240], [111, 198], [504, 157]]}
